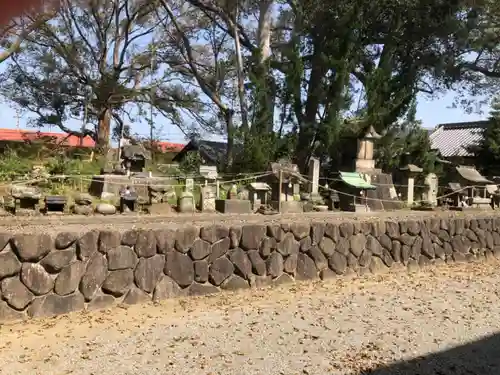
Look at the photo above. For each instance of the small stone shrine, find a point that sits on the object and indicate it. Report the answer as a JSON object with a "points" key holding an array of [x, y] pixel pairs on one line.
{"points": [[130, 172], [26, 199], [364, 157], [83, 204], [55, 203], [407, 190], [237, 202], [259, 192], [285, 197]]}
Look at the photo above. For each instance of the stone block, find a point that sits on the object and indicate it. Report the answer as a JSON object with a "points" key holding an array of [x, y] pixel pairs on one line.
{"points": [[233, 206]]}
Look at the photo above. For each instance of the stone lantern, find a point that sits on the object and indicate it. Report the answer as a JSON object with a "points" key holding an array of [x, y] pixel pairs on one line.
{"points": [[364, 158]]}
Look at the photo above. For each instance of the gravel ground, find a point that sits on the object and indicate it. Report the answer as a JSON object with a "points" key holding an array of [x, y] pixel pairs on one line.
{"points": [[58, 223], [341, 327]]}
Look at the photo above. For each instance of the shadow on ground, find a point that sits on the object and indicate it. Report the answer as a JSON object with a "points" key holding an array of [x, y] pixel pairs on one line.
{"points": [[481, 357]]}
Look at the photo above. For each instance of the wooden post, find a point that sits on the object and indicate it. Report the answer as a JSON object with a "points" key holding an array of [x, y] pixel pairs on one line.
{"points": [[217, 189], [280, 188]]}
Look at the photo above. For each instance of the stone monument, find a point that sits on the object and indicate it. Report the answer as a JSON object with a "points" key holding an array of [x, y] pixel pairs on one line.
{"points": [[410, 171], [431, 191], [364, 157]]}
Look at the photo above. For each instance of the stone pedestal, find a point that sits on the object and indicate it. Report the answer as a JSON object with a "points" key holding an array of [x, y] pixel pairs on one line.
{"points": [[233, 206], [207, 199]]}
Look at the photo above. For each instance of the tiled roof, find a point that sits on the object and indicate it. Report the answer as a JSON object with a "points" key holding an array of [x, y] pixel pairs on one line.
{"points": [[169, 146], [17, 135], [456, 139]]}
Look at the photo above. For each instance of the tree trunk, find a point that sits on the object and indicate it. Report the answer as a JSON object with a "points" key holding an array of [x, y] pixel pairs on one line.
{"points": [[103, 131], [239, 69], [228, 116]]}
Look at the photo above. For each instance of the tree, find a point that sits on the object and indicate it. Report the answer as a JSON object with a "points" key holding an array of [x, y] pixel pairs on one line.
{"points": [[488, 150], [95, 57]]}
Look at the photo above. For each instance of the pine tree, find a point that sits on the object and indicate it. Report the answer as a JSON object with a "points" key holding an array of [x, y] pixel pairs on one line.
{"points": [[488, 153]]}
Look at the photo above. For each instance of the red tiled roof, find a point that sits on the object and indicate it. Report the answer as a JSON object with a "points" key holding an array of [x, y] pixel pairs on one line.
{"points": [[170, 147], [17, 135]]}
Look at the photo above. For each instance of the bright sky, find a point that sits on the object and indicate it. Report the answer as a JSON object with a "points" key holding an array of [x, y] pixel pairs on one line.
{"points": [[431, 111]]}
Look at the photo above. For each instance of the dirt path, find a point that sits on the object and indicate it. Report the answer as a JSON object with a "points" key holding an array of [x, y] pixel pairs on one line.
{"points": [[341, 327]]}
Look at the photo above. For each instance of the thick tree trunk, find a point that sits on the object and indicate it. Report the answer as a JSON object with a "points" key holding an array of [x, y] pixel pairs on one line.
{"points": [[228, 116], [103, 131]]}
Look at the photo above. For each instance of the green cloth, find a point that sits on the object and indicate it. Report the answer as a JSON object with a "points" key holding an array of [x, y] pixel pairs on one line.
{"points": [[355, 179]]}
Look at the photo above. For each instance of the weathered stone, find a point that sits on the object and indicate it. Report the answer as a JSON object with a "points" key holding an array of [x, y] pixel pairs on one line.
{"points": [[386, 258], [251, 236], [385, 241], [135, 296], [275, 231], [490, 242], [343, 246], [406, 239], [444, 236], [318, 258], [69, 278], [31, 247], [496, 238], [235, 282], [434, 225], [118, 282], [392, 230], [317, 232], [373, 245], [145, 246], [439, 262], [332, 231], [275, 264], [352, 261], [459, 257], [235, 236], [416, 248], [220, 270], [471, 235], [57, 260], [288, 245], [87, 245], [197, 289], [413, 227], [458, 245], [120, 258], [300, 230], [439, 251], [258, 264], [9, 264], [242, 264], [357, 244], [185, 237], [148, 272], [427, 248], [105, 209], [219, 249], [64, 240], [459, 226], [328, 274], [377, 266], [306, 269], [34, 276], [378, 228], [15, 293], [214, 233], [4, 240], [108, 240], [405, 253], [129, 238], [165, 240], [448, 249], [424, 262], [9, 314], [283, 279], [290, 264], [366, 228], [338, 263], [200, 271], [94, 276], [285, 227], [396, 251], [54, 304], [305, 244], [101, 302], [327, 246], [200, 249], [346, 229], [413, 266], [267, 246], [180, 268], [365, 259], [167, 288]]}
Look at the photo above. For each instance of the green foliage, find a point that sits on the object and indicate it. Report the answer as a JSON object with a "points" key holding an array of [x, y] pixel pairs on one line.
{"points": [[488, 151], [12, 166], [191, 163]]}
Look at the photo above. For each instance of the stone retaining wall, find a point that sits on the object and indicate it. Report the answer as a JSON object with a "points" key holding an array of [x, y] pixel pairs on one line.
{"points": [[42, 275]]}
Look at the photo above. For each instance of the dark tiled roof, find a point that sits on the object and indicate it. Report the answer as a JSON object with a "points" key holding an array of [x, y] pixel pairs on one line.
{"points": [[456, 139]]}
